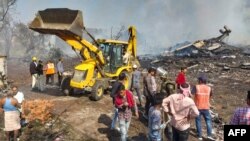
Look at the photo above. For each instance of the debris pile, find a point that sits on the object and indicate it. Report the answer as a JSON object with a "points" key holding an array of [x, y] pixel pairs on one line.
{"points": [[209, 47], [217, 124], [225, 76], [226, 67]]}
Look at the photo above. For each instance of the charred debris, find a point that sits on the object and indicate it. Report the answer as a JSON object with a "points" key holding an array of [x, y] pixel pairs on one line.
{"points": [[202, 48], [223, 64], [213, 52]]}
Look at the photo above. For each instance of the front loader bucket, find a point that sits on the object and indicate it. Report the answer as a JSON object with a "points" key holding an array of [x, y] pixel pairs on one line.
{"points": [[58, 21]]}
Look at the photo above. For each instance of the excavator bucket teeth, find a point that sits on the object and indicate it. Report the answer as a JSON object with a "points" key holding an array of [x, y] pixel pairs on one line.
{"points": [[58, 21]]}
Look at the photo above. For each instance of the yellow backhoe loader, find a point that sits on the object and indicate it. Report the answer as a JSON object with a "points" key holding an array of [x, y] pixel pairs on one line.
{"points": [[102, 61]]}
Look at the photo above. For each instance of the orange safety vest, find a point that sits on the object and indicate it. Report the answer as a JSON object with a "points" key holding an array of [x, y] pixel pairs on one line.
{"points": [[50, 68], [202, 96]]}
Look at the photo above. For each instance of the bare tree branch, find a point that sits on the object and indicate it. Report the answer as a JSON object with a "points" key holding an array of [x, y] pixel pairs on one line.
{"points": [[5, 11], [5, 23], [119, 34]]}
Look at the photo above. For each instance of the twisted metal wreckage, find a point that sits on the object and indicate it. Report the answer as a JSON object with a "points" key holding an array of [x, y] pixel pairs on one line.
{"points": [[207, 47]]}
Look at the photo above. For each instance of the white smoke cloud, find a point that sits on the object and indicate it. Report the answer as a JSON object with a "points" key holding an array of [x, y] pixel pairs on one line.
{"points": [[167, 22], [162, 23]]}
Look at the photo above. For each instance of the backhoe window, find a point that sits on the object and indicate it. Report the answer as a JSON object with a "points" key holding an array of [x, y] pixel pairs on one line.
{"points": [[118, 56], [79, 75], [113, 56], [105, 49], [106, 53]]}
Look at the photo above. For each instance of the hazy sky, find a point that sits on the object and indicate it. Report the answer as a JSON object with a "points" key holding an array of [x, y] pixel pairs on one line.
{"points": [[159, 22]]}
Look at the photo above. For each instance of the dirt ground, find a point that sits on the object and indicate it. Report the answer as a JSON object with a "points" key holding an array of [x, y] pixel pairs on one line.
{"points": [[90, 120]]}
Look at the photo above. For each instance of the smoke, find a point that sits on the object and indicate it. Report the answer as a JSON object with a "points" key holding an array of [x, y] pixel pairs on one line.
{"points": [[163, 23]]}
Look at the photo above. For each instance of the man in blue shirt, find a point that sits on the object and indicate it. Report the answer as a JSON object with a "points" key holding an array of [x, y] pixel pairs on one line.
{"points": [[154, 119], [136, 77]]}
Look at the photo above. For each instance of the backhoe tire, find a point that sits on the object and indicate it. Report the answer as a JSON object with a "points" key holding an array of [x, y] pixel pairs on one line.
{"points": [[65, 86], [97, 91], [128, 80]]}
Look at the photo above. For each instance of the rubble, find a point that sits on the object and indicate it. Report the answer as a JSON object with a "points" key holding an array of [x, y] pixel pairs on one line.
{"points": [[218, 126], [209, 47], [228, 75], [155, 61], [226, 68], [228, 56], [245, 66]]}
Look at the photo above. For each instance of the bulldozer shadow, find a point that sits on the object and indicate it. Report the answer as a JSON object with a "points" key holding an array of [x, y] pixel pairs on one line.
{"points": [[77, 93]]}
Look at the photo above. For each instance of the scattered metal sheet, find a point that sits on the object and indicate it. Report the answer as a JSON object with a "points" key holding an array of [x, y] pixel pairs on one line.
{"points": [[204, 47], [228, 56], [155, 61]]}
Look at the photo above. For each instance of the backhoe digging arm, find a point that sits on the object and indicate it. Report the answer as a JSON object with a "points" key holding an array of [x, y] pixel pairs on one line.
{"points": [[68, 25]]}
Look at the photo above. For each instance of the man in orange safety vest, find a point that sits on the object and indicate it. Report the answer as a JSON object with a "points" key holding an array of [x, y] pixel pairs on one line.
{"points": [[50, 71], [203, 93]]}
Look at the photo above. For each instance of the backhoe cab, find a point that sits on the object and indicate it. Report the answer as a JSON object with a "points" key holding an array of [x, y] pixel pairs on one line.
{"points": [[102, 61]]}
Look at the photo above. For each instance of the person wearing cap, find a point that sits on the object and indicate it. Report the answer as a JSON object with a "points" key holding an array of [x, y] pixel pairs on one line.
{"points": [[136, 77], [33, 72], [241, 115], [167, 86], [182, 108], [202, 94], [149, 89]]}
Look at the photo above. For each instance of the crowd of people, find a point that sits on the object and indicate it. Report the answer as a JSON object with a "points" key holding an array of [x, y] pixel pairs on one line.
{"points": [[38, 69], [11, 103], [169, 107]]}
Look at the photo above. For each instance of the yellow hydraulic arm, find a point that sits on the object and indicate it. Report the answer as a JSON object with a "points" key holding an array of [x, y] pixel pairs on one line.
{"points": [[68, 25], [85, 47], [132, 41]]}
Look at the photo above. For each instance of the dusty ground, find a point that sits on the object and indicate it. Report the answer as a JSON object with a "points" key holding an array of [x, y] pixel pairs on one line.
{"points": [[90, 120]]}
